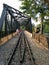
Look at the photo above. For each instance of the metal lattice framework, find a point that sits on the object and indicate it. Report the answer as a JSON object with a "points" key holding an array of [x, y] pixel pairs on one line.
{"points": [[11, 19]]}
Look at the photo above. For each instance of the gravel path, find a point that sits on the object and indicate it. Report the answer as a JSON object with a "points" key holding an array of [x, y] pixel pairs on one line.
{"points": [[17, 57], [6, 50], [41, 55]]}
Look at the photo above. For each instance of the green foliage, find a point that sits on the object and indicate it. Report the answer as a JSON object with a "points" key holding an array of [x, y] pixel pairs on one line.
{"points": [[32, 29], [27, 7], [46, 30], [22, 27], [33, 7], [38, 26], [33, 26]]}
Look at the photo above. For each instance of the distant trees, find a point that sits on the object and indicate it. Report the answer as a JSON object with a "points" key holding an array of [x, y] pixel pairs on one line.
{"points": [[46, 30], [46, 26], [34, 7], [33, 26]]}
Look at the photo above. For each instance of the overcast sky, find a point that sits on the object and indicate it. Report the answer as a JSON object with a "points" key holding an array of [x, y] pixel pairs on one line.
{"points": [[14, 3]]}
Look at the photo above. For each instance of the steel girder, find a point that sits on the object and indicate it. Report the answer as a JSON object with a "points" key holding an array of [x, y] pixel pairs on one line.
{"points": [[3, 16], [19, 18]]}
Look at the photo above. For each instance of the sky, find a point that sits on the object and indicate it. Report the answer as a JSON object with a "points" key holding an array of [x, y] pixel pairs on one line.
{"points": [[14, 3]]}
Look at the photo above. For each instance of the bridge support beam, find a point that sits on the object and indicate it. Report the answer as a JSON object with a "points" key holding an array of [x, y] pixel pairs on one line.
{"points": [[6, 25], [29, 25], [11, 24]]}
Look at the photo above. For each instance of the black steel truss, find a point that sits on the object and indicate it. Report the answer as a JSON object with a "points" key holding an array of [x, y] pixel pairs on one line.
{"points": [[17, 18]]}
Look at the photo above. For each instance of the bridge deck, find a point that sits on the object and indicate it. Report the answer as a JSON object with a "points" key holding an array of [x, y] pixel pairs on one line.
{"points": [[40, 53], [6, 49]]}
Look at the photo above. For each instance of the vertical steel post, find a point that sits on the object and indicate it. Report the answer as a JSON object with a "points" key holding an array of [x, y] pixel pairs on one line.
{"points": [[11, 25], [30, 25], [6, 25]]}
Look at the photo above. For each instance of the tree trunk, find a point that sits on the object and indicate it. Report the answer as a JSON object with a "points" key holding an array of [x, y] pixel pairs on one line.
{"points": [[42, 25]]}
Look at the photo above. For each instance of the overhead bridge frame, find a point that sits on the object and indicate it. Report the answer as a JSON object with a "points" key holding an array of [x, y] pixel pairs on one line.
{"points": [[16, 19]]}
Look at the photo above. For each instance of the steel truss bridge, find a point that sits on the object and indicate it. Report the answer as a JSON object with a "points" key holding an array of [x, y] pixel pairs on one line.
{"points": [[11, 19]]}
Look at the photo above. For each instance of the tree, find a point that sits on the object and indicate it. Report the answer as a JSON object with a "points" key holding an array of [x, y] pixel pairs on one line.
{"points": [[47, 1], [34, 7], [33, 26], [46, 26]]}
